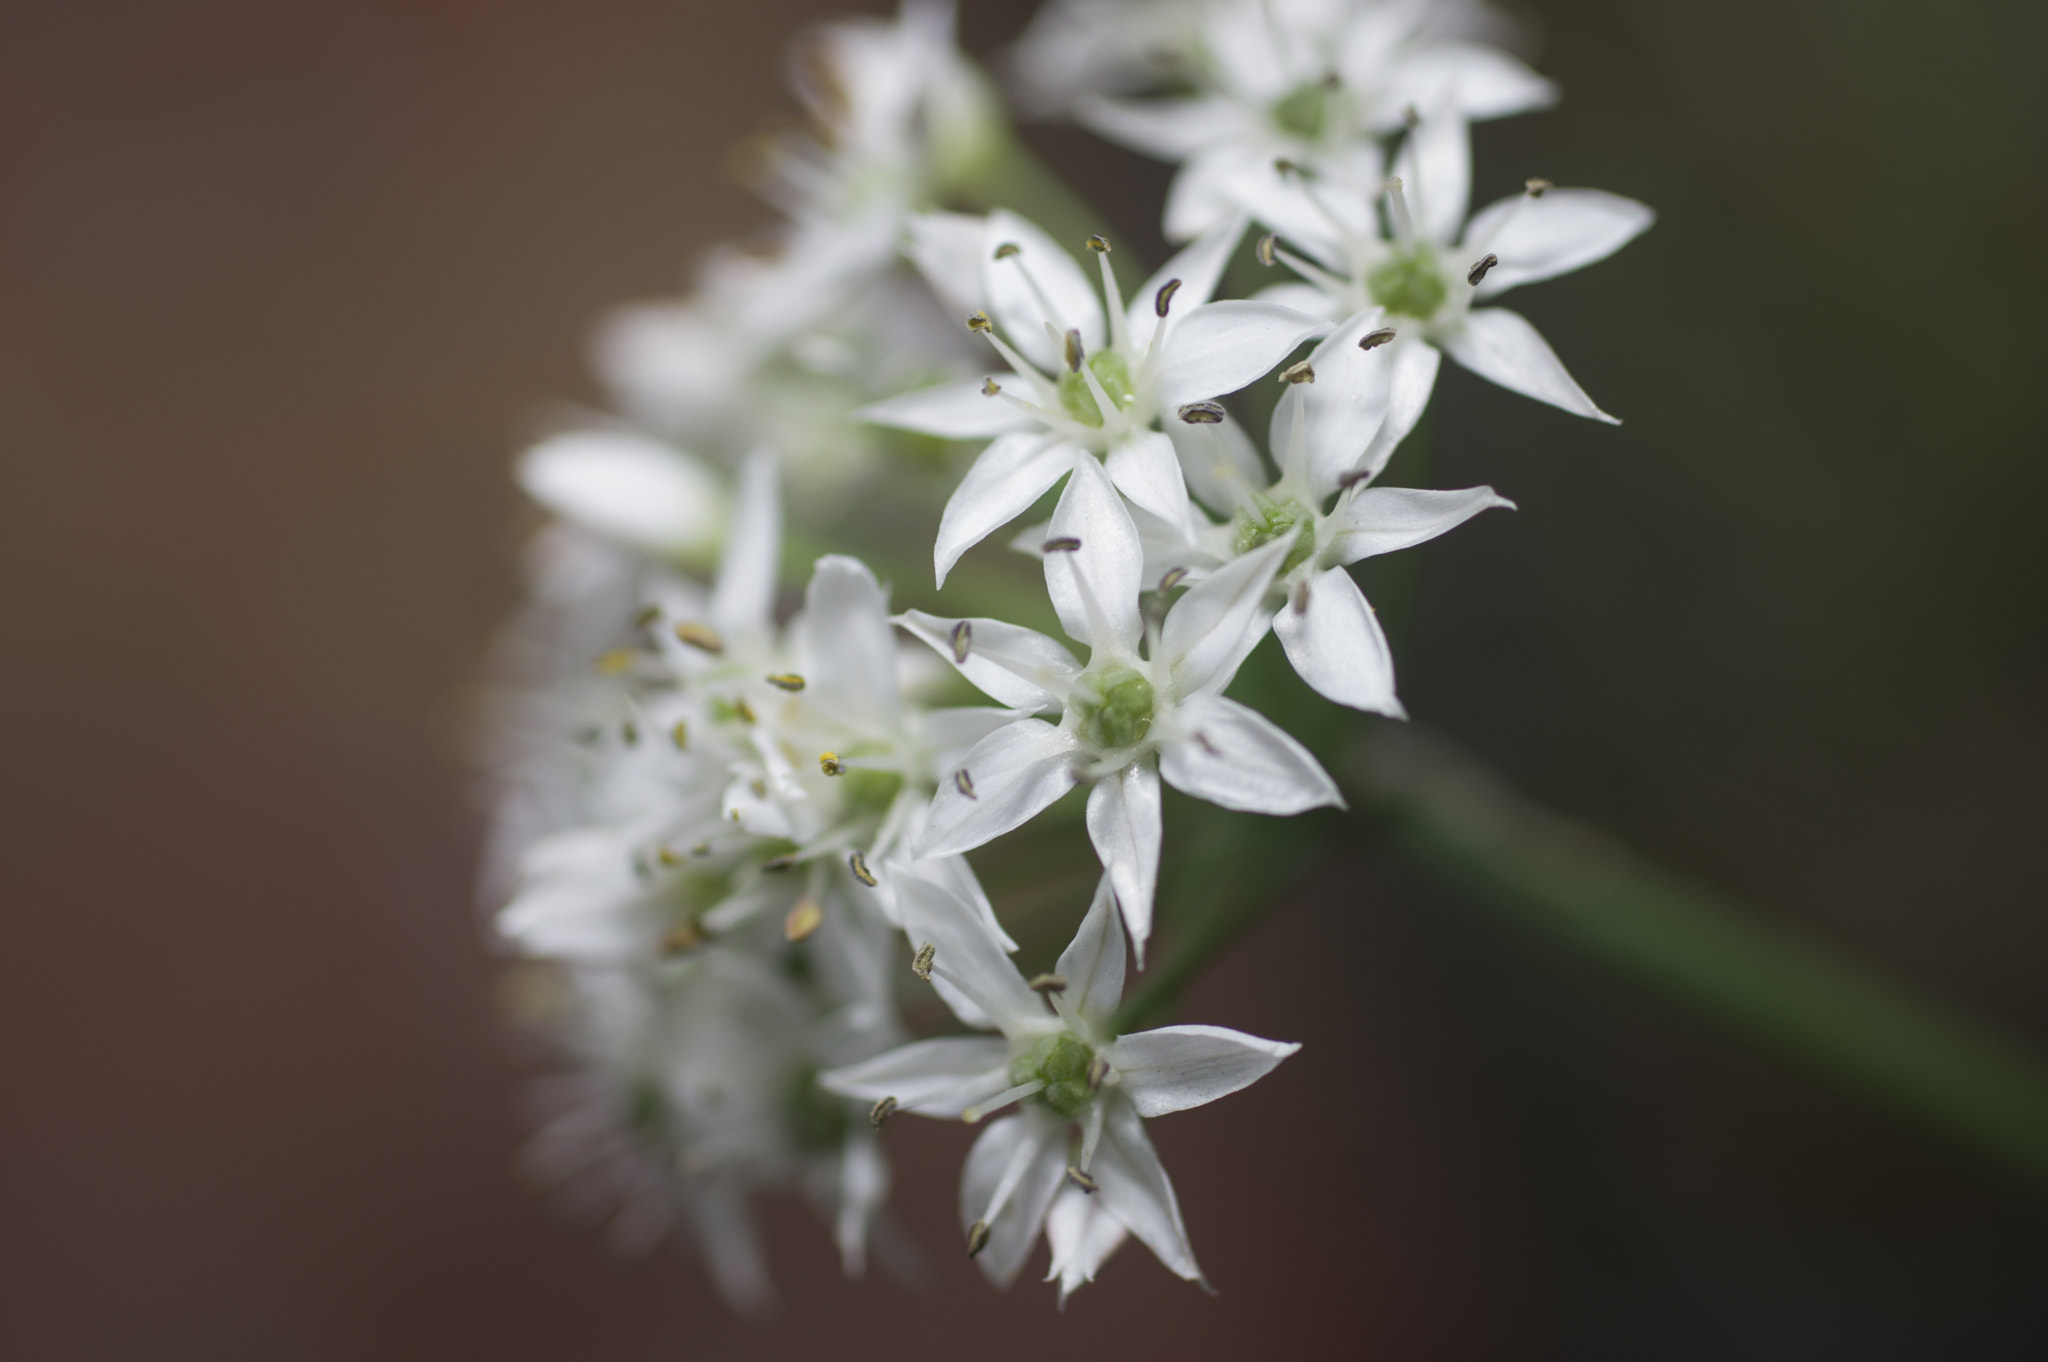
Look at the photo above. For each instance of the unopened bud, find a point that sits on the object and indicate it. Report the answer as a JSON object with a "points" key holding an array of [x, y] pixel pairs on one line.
{"points": [[880, 1112], [964, 783], [1048, 983], [1373, 340], [977, 1238], [1064, 544], [1163, 299], [1082, 1180], [1202, 413], [963, 640], [803, 919], [1264, 250], [1480, 267], [921, 963], [788, 681], [1302, 372], [1099, 244], [700, 636], [1537, 186], [858, 864], [829, 763]]}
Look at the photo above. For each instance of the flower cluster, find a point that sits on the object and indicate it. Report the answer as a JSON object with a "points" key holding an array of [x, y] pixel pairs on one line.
{"points": [[724, 824]]}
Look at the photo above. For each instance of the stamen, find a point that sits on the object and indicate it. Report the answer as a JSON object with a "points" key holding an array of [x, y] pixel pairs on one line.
{"points": [[668, 858], [921, 963], [1173, 578], [978, 321], [1283, 166], [775, 865], [1264, 250], [681, 939], [1397, 208], [963, 640], [1119, 326], [858, 864], [1301, 597], [972, 1115], [1202, 413], [1163, 299], [1536, 186], [1064, 544], [964, 783], [1007, 249], [1048, 983], [829, 763], [788, 681], [1207, 746], [880, 1112], [646, 615], [1098, 1067], [1479, 268], [804, 918], [1411, 116], [1099, 244], [1082, 1180], [1352, 479], [744, 710], [680, 735], [614, 662], [977, 1238], [1074, 352], [1373, 340], [1304, 372], [629, 733], [990, 388], [700, 636]]}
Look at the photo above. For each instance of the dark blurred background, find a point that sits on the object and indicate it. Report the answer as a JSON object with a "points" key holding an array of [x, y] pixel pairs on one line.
{"points": [[282, 286]]}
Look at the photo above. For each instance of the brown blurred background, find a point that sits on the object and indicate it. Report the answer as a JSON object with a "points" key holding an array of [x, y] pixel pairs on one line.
{"points": [[282, 285]]}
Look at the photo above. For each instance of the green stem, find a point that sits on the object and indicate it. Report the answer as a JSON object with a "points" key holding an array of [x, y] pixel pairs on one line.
{"points": [[1711, 956]]}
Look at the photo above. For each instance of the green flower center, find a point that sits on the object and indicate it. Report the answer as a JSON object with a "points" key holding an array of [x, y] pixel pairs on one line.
{"points": [[1267, 518], [1113, 372], [1115, 706], [1061, 1063], [1304, 110], [1411, 284], [869, 791]]}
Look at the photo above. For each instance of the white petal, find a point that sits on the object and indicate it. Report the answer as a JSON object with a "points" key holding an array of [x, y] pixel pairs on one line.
{"points": [[925, 1069], [1198, 267], [1412, 364], [1135, 1189], [1170, 129], [863, 1187], [1015, 772], [1019, 667], [1145, 469], [731, 1248], [1478, 82], [951, 411], [1020, 308], [1202, 641], [1006, 478], [1343, 410], [1383, 519], [1111, 561], [1031, 1152], [1501, 345], [852, 649], [1177, 1067], [1435, 168], [946, 248], [1217, 461], [1219, 347], [1565, 230], [1236, 758], [743, 601], [627, 487], [1082, 1234], [966, 953], [1124, 826], [1336, 645]]}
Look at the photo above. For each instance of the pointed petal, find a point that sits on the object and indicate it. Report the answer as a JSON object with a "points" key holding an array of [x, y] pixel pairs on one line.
{"points": [[731, 1248], [926, 1069], [1435, 167], [1145, 469], [851, 648], [1177, 1067], [1479, 82], [1006, 478], [1170, 129], [1236, 758], [946, 248], [1031, 1154], [951, 411], [968, 957], [1383, 519], [1124, 825], [1082, 1234], [1501, 345], [1019, 308], [1018, 667], [1135, 1189], [1218, 462], [1199, 267], [1015, 771], [627, 487], [1111, 560], [1219, 347], [1343, 410], [1412, 364], [1336, 645], [863, 1187], [1203, 637], [743, 602], [1565, 230]]}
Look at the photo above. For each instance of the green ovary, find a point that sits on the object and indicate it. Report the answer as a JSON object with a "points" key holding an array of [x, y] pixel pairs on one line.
{"points": [[1410, 284], [1061, 1063], [1267, 518], [869, 791], [1115, 706], [1113, 372], [1304, 110]]}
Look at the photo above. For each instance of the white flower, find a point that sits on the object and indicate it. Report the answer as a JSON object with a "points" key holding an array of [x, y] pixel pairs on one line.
{"points": [[1430, 274], [1312, 82], [1083, 378], [1327, 434], [1074, 1075], [627, 487], [1128, 718]]}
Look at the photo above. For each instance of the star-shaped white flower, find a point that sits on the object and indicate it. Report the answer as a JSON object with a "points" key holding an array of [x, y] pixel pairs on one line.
{"points": [[1129, 717], [1083, 378], [1436, 266], [1073, 1074]]}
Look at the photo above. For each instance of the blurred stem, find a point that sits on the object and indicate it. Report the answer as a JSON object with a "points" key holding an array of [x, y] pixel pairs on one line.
{"points": [[1709, 955]]}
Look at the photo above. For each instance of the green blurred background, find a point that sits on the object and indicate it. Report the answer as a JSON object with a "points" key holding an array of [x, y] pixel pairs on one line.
{"points": [[282, 286]]}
